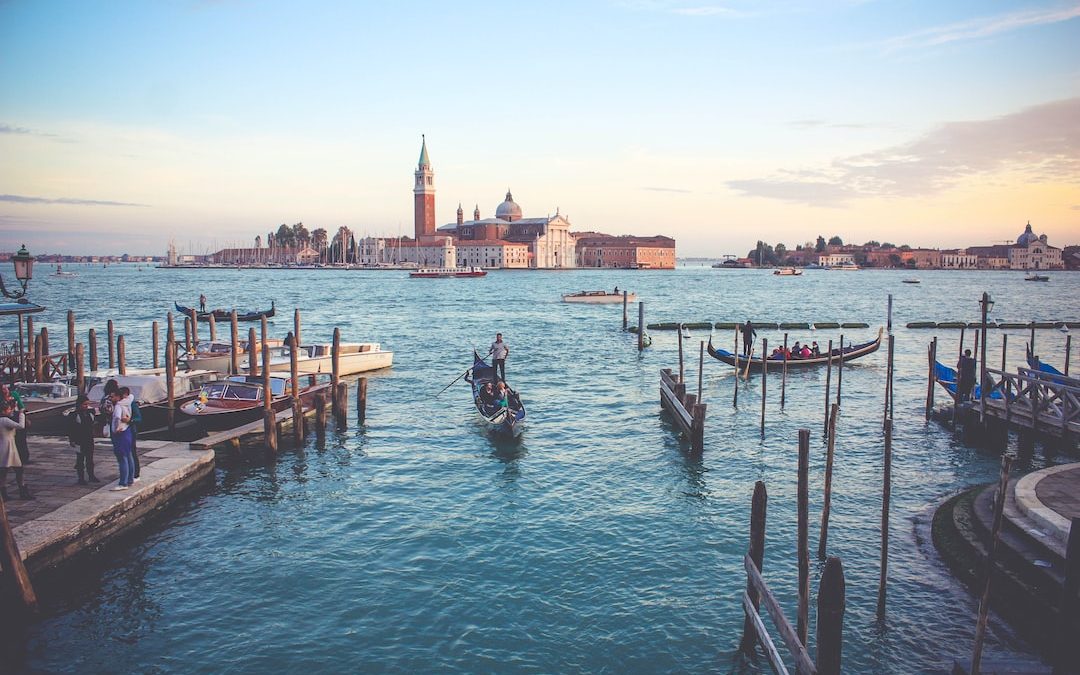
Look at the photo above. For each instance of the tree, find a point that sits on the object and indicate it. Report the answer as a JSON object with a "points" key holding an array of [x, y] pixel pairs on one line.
{"points": [[301, 236], [835, 240], [318, 238], [895, 260], [781, 253], [888, 245], [871, 244], [904, 247], [285, 236], [763, 254], [820, 246]]}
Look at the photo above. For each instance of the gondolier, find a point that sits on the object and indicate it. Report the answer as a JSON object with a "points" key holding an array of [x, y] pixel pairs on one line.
{"points": [[202, 302], [748, 334], [499, 352]]}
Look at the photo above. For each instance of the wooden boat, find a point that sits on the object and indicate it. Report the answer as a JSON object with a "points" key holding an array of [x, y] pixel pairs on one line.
{"points": [[787, 272], [61, 273], [152, 394], [910, 281], [598, 297], [226, 315], [446, 272], [850, 354], [1036, 277], [241, 399], [46, 405], [509, 421]]}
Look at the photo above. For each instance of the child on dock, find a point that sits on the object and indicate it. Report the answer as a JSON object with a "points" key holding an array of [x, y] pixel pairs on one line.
{"points": [[81, 437]]}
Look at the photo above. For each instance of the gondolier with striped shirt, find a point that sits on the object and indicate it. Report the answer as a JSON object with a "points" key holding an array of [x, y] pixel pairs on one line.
{"points": [[499, 352]]}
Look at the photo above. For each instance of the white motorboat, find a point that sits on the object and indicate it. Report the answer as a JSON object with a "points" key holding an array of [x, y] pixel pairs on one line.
{"points": [[787, 272]]}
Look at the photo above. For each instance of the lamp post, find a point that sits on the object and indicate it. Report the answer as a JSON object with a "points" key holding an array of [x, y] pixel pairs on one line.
{"points": [[987, 304], [24, 271]]}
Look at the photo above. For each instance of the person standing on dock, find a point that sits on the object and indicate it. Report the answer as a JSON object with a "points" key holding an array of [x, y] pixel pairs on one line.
{"points": [[748, 334], [81, 437], [965, 370], [202, 302], [121, 438], [12, 419], [499, 352]]}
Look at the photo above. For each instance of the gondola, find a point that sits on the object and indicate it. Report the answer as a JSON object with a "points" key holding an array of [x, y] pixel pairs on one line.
{"points": [[509, 421], [226, 315], [850, 354]]}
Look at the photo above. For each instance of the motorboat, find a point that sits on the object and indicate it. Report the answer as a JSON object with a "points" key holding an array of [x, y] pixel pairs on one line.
{"points": [[61, 273], [788, 272], [1036, 277], [353, 358], [240, 400], [152, 394], [911, 281], [46, 405]]}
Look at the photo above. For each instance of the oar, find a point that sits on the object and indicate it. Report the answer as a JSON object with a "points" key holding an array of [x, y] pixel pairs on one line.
{"points": [[454, 382], [749, 359]]}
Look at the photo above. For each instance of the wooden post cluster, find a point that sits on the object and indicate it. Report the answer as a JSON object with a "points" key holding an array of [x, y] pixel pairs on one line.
{"points": [[320, 414], [342, 417], [991, 561], [296, 327], [187, 334], [1068, 351], [886, 494], [338, 401], [826, 505], [39, 375], [681, 372], [700, 368]]}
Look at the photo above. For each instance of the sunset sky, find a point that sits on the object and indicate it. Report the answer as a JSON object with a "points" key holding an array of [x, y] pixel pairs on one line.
{"points": [[125, 124]]}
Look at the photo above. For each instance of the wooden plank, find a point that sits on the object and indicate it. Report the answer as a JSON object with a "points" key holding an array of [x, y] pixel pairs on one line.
{"points": [[763, 635], [803, 664], [674, 406]]}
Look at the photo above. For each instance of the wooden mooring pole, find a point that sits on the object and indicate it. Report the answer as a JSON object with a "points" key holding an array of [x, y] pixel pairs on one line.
{"points": [[361, 400], [826, 505], [187, 335], [803, 549], [640, 325], [270, 440], [886, 495], [121, 359], [735, 399], [991, 562], [39, 376], [931, 376], [700, 369], [253, 353], [764, 380], [757, 553], [112, 342], [297, 406], [783, 376], [887, 415], [320, 414], [840, 371], [170, 374], [625, 302], [71, 340], [296, 327], [960, 350], [1068, 351], [339, 393], [14, 569], [830, 618], [1005, 349], [154, 340], [80, 373], [828, 386], [234, 337], [194, 326], [342, 390], [213, 328], [92, 342], [889, 323], [682, 379]]}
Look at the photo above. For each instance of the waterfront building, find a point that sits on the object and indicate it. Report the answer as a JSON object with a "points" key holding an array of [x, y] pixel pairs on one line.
{"points": [[492, 253], [836, 260], [424, 195], [959, 259], [925, 258], [595, 249], [1030, 252]]}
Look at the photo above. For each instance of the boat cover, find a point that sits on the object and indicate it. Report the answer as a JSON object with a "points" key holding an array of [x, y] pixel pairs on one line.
{"points": [[145, 388]]}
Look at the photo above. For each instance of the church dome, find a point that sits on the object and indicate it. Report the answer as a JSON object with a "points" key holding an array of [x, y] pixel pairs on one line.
{"points": [[508, 210], [1027, 237]]}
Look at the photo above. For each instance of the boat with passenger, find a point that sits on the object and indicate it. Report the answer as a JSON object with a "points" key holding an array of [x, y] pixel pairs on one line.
{"points": [[503, 420], [850, 353], [1036, 277], [598, 297], [226, 314], [447, 272]]}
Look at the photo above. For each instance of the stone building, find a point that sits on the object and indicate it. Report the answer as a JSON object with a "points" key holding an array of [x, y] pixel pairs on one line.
{"points": [[595, 249]]}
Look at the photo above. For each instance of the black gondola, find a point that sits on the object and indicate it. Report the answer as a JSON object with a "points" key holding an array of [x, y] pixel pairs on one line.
{"points": [[850, 354], [226, 315], [505, 421]]}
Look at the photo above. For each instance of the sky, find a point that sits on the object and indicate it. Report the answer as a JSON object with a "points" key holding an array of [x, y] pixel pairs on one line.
{"points": [[124, 125]]}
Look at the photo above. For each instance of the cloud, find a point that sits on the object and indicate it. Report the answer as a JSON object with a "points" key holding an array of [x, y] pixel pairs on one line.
{"points": [[1042, 143], [1075, 207], [815, 124], [667, 189], [982, 27], [70, 201]]}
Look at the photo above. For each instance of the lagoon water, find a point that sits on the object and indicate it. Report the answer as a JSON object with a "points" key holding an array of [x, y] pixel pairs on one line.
{"points": [[596, 543]]}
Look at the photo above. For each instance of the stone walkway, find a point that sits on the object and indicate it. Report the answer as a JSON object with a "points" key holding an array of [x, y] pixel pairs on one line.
{"points": [[1051, 498], [51, 476]]}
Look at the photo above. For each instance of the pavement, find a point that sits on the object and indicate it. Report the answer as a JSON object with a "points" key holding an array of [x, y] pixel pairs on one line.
{"points": [[1051, 499]]}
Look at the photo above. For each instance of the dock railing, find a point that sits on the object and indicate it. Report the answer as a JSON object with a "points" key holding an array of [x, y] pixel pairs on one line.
{"points": [[1033, 399], [689, 414]]}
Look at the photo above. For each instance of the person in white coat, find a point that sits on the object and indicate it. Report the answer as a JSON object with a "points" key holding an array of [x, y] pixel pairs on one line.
{"points": [[11, 420]]}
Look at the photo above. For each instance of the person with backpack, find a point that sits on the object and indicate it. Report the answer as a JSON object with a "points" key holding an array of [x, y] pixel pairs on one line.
{"points": [[81, 422], [136, 419]]}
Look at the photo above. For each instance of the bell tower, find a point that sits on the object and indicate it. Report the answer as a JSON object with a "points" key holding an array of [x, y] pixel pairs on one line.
{"points": [[424, 195]]}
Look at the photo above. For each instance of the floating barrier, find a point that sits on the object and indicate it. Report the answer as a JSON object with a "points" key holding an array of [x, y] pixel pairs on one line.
{"points": [[795, 326], [952, 324], [855, 324], [922, 324], [726, 325], [1006, 325], [764, 325], [826, 324]]}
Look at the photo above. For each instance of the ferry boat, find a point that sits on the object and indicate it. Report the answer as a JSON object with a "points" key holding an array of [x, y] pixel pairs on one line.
{"points": [[788, 272], [439, 272], [843, 267]]}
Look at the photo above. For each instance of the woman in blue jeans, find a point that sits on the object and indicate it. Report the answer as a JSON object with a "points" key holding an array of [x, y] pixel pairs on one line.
{"points": [[121, 434]]}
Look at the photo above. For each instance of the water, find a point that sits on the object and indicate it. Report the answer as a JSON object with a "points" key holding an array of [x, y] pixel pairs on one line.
{"points": [[595, 543]]}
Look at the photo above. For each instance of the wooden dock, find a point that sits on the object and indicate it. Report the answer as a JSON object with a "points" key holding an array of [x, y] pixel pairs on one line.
{"points": [[688, 413]]}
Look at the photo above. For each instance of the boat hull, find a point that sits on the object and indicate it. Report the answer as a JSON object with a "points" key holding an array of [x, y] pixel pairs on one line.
{"points": [[211, 419], [606, 299], [349, 364], [777, 365]]}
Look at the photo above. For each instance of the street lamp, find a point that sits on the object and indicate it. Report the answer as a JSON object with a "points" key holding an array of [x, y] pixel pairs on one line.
{"points": [[24, 271]]}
